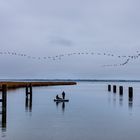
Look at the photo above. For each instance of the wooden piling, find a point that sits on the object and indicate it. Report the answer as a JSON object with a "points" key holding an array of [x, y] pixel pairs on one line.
{"points": [[130, 95], [130, 92], [114, 88], [28, 100], [121, 90], [4, 96], [4, 105], [109, 87], [28, 91], [30, 86]]}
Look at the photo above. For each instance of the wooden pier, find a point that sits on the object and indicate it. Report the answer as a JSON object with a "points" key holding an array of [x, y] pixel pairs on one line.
{"points": [[5, 86]]}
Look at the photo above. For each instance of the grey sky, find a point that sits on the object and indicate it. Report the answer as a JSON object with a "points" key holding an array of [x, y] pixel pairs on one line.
{"points": [[50, 27]]}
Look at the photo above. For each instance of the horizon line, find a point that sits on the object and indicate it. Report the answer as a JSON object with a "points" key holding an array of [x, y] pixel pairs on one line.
{"points": [[68, 79]]}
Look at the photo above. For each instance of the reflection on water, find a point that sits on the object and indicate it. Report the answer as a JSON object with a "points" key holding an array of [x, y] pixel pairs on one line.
{"points": [[62, 105], [130, 103], [28, 104], [121, 100], [96, 115], [3, 122], [114, 99]]}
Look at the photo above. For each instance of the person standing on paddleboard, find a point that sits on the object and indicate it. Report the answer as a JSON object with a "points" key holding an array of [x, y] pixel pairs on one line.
{"points": [[63, 95]]}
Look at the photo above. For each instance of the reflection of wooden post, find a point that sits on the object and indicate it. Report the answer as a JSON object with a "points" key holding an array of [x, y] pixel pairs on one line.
{"points": [[121, 90], [4, 118], [30, 104], [130, 92], [114, 88], [26, 102], [109, 87]]}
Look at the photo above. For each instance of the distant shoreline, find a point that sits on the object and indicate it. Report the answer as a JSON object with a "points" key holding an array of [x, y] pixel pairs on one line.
{"points": [[14, 85], [66, 80]]}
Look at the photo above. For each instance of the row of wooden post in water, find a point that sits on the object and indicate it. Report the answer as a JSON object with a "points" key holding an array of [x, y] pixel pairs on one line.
{"points": [[114, 89], [3, 100]]}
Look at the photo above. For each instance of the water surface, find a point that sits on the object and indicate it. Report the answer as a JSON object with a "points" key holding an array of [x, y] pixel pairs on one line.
{"points": [[91, 113]]}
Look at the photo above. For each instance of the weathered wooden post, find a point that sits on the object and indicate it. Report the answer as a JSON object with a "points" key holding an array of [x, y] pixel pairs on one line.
{"points": [[130, 92], [109, 87], [28, 101], [30, 86], [114, 88], [4, 96], [26, 91], [29, 90], [121, 90], [130, 95], [4, 105]]}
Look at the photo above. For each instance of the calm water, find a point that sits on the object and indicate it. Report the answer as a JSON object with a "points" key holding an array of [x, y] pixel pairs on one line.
{"points": [[92, 113]]}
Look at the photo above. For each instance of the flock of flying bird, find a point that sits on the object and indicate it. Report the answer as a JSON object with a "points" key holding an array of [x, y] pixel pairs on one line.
{"points": [[61, 56]]}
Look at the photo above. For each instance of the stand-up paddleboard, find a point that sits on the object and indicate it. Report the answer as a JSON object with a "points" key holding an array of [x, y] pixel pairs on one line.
{"points": [[61, 100]]}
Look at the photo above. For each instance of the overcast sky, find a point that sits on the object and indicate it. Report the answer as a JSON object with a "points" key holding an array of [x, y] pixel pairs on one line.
{"points": [[49, 28]]}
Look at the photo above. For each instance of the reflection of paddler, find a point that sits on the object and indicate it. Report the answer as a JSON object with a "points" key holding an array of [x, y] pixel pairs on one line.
{"points": [[63, 95], [63, 106]]}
